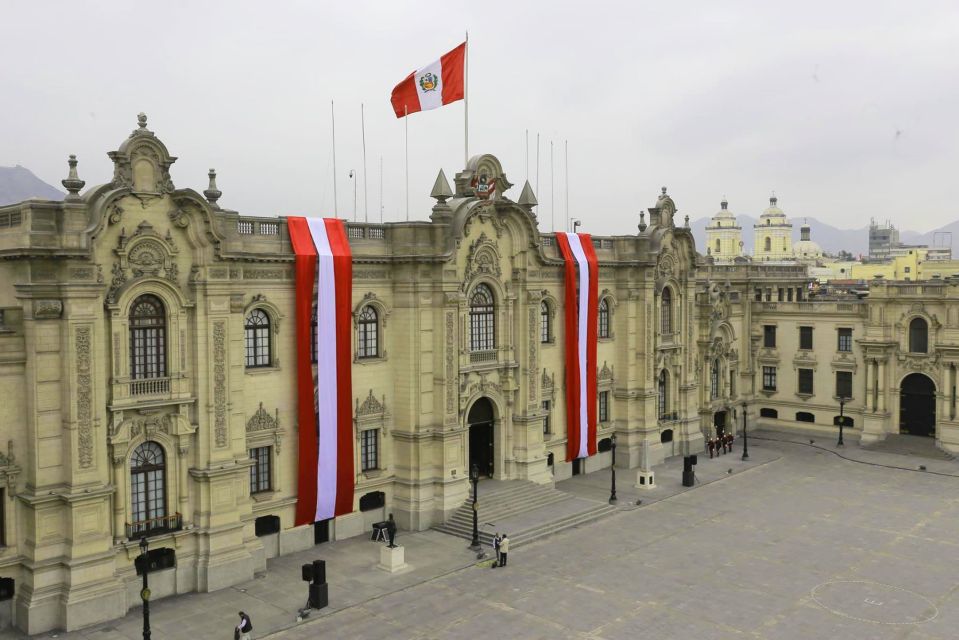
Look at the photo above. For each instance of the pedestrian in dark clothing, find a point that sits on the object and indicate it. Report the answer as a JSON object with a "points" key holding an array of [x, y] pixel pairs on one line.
{"points": [[503, 550], [243, 630], [391, 531], [497, 539]]}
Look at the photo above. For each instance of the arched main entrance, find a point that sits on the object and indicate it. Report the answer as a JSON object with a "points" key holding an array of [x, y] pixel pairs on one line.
{"points": [[480, 420], [917, 405]]}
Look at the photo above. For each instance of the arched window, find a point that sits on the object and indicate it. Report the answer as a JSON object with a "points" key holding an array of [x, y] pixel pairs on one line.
{"points": [[918, 336], [368, 345], [482, 319], [603, 329], [768, 244], [147, 338], [257, 331], [545, 330], [663, 393], [666, 312], [148, 487], [718, 245], [714, 380]]}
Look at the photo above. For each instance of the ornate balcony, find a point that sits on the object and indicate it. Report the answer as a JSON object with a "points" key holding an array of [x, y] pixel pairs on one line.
{"points": [[153, 526], [482, 356], [149, 387]]}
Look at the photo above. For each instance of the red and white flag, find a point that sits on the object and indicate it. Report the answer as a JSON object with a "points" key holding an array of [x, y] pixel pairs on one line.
{"points": [[324, 406], [582, 312], [438, 83]]}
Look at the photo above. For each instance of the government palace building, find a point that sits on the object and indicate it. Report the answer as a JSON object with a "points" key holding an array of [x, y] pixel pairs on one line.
{"points": [[148, 371]]}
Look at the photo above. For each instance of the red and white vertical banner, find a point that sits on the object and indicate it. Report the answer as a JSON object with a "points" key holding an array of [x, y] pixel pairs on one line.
{"points": [[582, 311], [324, 278]]}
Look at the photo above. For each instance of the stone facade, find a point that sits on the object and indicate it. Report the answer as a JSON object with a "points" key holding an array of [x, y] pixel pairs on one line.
{"points": [[94, 289]]}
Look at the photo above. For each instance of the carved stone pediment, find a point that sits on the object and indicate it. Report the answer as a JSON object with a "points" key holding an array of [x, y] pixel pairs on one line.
{"points": [[483, 260], [263, 421], [370, 406]]}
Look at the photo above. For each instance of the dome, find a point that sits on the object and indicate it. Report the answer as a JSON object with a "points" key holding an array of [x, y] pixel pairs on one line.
{"points": [[773, 212], [807, 249], [724, 218]]}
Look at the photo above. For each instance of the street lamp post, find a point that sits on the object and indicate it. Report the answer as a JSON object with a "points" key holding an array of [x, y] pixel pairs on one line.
{"points": [[145, 592], [842, 419], [745, 436], [612, 468], [474, 478]]}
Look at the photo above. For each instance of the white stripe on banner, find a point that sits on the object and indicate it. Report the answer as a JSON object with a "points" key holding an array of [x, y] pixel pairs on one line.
{"points": [[583, 321], [325, 371], [429, 85]]}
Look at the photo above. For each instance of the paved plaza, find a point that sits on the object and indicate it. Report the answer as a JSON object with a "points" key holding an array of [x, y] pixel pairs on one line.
{"points": [[798, 543]]}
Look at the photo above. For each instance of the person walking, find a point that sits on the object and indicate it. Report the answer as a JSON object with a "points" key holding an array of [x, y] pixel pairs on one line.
{"points": [[497, 539], [391, 531], [244, 630], [503, 550]]}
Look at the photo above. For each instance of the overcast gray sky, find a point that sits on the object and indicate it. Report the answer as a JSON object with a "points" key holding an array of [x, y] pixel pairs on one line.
{"points": [[846, 109]]}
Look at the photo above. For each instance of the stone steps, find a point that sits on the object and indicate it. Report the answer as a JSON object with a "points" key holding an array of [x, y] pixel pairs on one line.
{"points": [[538, 511]]}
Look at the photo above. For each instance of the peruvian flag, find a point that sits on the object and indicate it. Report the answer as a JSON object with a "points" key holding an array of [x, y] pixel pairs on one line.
{"points": [[582, 311], [324, 406], [438, 83]]}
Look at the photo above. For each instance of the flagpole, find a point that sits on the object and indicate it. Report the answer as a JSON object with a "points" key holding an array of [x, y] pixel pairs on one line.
{"points": [[336, 206], [527, 155], [366, 204], [466, 101], [406, 125], [538, 194], [566, 143], [552, 200], [381, 189]]}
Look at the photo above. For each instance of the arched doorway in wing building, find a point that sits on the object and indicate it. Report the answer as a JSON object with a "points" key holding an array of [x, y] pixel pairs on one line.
{"points": [[917, 405], [719, 422], [480, 420]]}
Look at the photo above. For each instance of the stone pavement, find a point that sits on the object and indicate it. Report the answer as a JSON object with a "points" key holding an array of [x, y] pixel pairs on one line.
{"points": [[798, 543]]}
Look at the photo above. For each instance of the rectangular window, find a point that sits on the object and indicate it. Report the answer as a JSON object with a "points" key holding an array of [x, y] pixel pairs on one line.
{"points": [[546, 420], [789, 295], [845, 340], [780, 295], [732, 384], [260, 471], [798, 294], [369, 449], [805, 338], [769, 378], [805, 381], [3, 518], [769, 336], [759, 295], [604, 406], [844, 384]]}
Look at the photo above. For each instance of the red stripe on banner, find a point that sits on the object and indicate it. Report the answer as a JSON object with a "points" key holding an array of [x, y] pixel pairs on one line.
{"points": [[404, 97], [454, 69], [343, 279], [591, 340], [572, 350], [305, 268]]}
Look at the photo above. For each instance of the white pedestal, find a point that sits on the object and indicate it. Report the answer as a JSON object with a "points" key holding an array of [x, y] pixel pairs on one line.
{"points": [[392, 560], [645, 479]]}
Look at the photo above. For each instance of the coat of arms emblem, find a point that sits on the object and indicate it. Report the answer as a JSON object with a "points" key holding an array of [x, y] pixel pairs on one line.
{"points": [[429, 81], [483, 186]]}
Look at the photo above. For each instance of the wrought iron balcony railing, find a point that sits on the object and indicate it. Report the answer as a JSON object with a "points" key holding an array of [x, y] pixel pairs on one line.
{"points": [[153, 526]]}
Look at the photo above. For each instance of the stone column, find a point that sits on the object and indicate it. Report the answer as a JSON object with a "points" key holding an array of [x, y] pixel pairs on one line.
{"points": [[882, 386], [119, 499]]}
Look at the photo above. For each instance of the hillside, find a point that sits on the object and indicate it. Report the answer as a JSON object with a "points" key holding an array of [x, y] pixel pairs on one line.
{"points": [[18, 183]]}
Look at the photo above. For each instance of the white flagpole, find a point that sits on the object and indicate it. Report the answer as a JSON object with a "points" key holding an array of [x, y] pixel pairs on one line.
{"points": [[466, 101], [566, 142], [381, 189], [406, 124], [336, 206], [537, 167], [366, 204], [527, 155], [552, 200]]}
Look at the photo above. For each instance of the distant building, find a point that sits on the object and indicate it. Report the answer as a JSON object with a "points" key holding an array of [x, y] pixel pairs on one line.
{"points": [[806, 251], [882, 240], [724, 236], [773, 235]]}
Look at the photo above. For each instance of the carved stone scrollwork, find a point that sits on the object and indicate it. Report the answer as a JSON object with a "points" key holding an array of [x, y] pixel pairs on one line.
{"points": [[263, 421], [483, 259], [47, 309], [84, 398], [9, 470], [219, 384], [606, 373], [371, 406]]}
